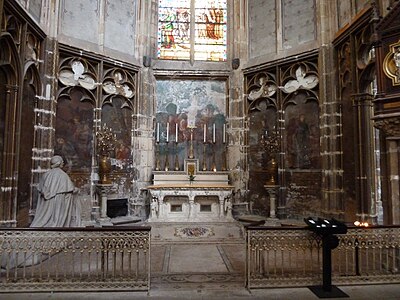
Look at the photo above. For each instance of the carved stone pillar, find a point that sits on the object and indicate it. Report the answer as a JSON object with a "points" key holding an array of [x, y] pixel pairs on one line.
{"points": [[390, 127], [272, 191], [365, 163], [103, 190]]}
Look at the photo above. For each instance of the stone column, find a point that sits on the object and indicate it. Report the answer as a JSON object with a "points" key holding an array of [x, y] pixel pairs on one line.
{"points": [[103, 190], [390, 167], [272, 191], [191, 205], [221, 198], [365, 164], [332, 177]]}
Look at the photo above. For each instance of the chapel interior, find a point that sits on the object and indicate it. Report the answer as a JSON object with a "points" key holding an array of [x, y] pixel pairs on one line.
{"points": [[202, 111], [182, 122]]}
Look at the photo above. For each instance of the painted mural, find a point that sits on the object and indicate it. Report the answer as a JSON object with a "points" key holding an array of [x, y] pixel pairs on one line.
{"points": [[74, 132], [194, 108]]}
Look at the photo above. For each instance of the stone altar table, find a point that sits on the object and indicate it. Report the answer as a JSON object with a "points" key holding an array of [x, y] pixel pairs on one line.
{"points": [[176, 199]]}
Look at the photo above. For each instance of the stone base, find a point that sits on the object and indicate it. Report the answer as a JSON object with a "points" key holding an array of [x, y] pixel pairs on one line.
{"points": [[211, 232]]}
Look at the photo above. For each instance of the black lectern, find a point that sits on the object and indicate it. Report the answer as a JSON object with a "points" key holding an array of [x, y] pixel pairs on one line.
{"points": [[327, 230]]}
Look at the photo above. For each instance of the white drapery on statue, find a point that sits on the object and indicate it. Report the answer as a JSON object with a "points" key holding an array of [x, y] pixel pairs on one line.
{"points": [[56, 205]]}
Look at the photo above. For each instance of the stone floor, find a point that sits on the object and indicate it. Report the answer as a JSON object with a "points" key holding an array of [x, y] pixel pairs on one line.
{"points": [[206, 261]]}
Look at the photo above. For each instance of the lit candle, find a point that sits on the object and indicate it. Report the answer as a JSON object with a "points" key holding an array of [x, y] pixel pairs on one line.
{"points": [[204, 133], [167, 132], [224, 133], [176, 132], [158, 132], [214, 133]]}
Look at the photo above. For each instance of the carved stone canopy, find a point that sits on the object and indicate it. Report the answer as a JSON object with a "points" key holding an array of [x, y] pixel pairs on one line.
{"points": [[389, 125]]}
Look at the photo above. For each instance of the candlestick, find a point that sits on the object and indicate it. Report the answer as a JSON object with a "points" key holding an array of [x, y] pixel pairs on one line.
{"points": [[167, 132], [224, 134], [176, 132], [158, 132], [205, 133], [214, 133]]}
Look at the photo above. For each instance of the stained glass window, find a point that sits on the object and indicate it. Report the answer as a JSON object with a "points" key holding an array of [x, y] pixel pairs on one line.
{"points": [[192, 30]]}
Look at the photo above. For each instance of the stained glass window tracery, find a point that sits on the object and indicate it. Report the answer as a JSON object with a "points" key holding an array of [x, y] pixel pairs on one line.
{"points": [[192, 30]]}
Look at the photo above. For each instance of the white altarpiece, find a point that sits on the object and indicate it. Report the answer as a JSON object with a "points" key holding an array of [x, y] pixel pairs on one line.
{"points": [[190, 195]]}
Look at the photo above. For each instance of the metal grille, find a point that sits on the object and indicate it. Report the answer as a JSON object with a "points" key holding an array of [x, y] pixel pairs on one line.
{"points": [[75, 259], [293, 257]]}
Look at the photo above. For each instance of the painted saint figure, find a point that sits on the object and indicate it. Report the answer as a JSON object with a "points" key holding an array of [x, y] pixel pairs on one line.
{"points": [[302, 143]]}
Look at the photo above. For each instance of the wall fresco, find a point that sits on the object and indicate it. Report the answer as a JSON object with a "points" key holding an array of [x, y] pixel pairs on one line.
{"points": [[197, 104]]}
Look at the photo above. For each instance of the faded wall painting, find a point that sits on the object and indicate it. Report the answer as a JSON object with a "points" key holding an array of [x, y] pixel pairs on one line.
{"points": [[74, 132], [302, 134], [191, 109]]}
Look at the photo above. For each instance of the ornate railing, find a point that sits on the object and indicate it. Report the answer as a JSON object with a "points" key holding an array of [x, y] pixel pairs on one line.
{"points": [[277, 257], [75, 259]]}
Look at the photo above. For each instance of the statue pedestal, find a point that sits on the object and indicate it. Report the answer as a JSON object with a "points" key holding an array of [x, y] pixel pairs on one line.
{"points": [[272, 191], [103, 190]]}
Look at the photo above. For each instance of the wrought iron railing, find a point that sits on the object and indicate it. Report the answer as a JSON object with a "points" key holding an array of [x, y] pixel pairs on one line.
{"points": [[278, 257], [75, 259]]}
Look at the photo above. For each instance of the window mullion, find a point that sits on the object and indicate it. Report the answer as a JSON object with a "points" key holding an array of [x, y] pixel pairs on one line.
{"points": [[192, 30]]}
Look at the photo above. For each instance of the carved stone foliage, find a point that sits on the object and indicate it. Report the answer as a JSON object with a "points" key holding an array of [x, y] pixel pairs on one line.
{"points": [[118, 82], [390, 126], [78, 73]]}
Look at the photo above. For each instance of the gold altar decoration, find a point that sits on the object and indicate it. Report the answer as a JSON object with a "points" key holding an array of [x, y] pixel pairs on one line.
{"points": [[391, 63], [270, 143], [106, 141]]}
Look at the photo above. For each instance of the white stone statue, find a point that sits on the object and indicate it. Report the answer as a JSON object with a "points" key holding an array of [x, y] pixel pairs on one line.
{"points": [[154, 208], [56, 205], [228, 208]]}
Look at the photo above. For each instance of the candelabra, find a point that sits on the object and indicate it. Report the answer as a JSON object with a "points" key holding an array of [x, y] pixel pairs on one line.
{"points": [[270, 143], [106, 141]]}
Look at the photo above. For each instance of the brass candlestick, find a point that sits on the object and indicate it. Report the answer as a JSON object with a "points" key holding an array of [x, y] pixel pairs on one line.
{"points": [[166, 157], [204, 157], [223, 168], [214, 166], [176, 157], [158, 156], [191, 152]]}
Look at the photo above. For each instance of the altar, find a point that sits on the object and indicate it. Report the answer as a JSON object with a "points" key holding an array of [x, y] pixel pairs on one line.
{"points": [[176, 198]]}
